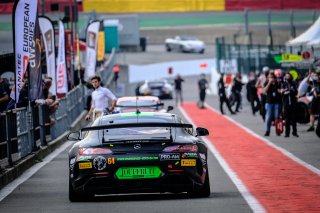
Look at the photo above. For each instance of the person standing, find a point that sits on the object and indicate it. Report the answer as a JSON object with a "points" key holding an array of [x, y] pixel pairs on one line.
{"points": [[289, 93], [222, 95], [4, 94], [273, 98], [252, 93], [236, 90], [100, 99], [259, 85], [202, 85], [178, 88], [314, 82]]}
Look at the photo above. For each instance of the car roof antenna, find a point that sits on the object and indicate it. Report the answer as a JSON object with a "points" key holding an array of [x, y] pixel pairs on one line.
{"points": [[138, 111], [171, 139]]}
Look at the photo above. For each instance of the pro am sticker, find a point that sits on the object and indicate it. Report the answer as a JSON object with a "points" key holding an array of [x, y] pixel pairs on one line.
{"points": [[188, 162], [99, 163], [86, 165]]}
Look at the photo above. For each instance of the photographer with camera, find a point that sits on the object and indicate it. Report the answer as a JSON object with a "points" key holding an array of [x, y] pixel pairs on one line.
{"points": [[289, 93]]}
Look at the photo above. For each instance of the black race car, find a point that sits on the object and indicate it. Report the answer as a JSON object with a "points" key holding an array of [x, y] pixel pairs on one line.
{"points": [[138, 152]]}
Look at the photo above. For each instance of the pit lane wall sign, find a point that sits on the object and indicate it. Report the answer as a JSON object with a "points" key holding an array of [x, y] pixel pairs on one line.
{"points": [[62, 86], [24, 16], [47, 32], [228, 66], [92, 43]]}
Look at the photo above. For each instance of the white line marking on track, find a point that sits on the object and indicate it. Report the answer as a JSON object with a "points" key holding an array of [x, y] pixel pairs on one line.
{"points": [[282, 150], [5, 191], [249, 198]]}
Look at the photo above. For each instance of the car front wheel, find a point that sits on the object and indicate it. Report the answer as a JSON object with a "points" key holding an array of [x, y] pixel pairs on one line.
{"points": [[168, 48]]}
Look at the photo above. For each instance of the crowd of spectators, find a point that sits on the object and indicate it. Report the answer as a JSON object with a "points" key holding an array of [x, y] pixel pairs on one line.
{"points": [[7, 98], [276, 96]]}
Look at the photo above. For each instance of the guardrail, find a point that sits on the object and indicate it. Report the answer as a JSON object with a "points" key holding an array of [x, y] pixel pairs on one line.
{"points": [[24, 130]]}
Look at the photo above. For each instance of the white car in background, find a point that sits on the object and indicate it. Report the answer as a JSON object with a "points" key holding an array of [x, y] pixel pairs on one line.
{"points": [[158, 88], [185, 44]]}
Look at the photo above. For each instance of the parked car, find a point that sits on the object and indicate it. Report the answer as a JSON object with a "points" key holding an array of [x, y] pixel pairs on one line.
{"points": [[159, 88], [185, 44]]}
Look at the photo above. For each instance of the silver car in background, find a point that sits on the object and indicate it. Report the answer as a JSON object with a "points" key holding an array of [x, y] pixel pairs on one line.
{"points": [[185, 43]]}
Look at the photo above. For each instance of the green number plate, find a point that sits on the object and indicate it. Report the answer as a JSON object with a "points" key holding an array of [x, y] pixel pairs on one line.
{"points": [[138, 172]]}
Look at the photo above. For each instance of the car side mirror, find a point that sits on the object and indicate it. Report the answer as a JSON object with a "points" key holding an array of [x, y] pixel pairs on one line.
{"points": [[170, 108], [202, 131], [74, 136]]}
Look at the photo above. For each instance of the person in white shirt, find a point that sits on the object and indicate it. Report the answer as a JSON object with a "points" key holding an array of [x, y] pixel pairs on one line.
{"points": [[100, 99]]}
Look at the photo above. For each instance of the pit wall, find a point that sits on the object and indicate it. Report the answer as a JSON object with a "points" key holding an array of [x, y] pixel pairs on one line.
{"points": [[140, 6]]}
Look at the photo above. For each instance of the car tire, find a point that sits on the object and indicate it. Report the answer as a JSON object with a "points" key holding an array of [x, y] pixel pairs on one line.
{"points": [[204, 191], [181, 49], [202, 51], [76, 197], [168, 48]]}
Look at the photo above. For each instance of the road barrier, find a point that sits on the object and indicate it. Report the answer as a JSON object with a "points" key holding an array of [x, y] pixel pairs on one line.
{"points": [[25, 130]]}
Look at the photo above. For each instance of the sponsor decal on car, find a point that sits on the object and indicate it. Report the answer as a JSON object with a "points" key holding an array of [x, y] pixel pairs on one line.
{"points": [[188, 162], [164, 157], [189, 155], [138, 158], [84, 158], [99, 163], [86, 165]]}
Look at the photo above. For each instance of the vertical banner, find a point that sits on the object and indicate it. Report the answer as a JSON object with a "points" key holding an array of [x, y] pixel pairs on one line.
{"points": [[92, 43], [101, 49], [47, 31], [24, 18], [35, 75], [62, 84]]}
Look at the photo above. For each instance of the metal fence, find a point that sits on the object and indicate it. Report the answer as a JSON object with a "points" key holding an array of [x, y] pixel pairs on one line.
{"points": [[24, 130], [249, 57]]}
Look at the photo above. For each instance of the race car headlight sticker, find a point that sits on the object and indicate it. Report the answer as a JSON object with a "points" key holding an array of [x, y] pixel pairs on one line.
{"points": [[94, 151]]}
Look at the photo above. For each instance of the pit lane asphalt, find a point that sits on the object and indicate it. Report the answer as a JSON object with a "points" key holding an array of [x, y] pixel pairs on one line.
{"points": [[47, 189]]}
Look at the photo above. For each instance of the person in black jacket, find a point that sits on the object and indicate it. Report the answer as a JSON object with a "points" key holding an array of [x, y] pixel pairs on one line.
{"points": [[222, 95], [273, 99], [289, 93], [236, 90], [252, 93], [203, 85]]}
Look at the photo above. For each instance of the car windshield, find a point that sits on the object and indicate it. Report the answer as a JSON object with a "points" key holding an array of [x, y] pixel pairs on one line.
{"points": [[156, 83], [138, 103], [188, 38]]}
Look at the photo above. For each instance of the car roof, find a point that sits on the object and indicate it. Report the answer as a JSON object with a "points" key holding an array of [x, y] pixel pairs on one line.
{"points": [[139, 98], [133, 117]]}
